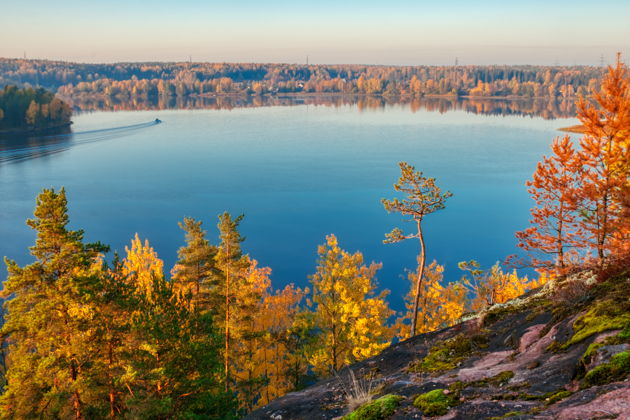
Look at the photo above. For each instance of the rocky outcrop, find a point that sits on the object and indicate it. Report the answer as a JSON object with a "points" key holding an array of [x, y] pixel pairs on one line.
{"points": [[537, 358]]}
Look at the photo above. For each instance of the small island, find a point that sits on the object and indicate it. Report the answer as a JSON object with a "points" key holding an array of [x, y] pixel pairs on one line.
{"points": [[28, 109]]}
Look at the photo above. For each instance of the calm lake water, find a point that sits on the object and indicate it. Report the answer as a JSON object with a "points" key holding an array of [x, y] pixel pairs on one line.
{"points": [[297, 172]]}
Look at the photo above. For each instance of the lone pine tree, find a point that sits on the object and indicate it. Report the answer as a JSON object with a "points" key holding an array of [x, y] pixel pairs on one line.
{"points": [[423, 197]]}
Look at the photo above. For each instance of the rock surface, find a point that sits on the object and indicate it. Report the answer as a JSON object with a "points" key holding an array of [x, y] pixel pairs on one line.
{"points": [[537, 381]]}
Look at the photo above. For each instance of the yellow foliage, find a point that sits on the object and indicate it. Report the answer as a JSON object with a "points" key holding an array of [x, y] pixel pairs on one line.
{"points": [[351, 318], [440, 306], [142, 264], [272, 357], [495, 286]]}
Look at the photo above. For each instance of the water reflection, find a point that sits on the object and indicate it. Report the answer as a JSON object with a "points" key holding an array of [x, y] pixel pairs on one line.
{"points": [[20, 147], [545, 108]]}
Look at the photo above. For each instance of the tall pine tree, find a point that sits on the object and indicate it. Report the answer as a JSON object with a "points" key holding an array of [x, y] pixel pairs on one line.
{"points": [[195, 271], [49, 321]]}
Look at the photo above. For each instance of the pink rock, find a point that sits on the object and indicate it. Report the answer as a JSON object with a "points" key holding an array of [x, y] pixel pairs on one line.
{"points": [[615, 404]]}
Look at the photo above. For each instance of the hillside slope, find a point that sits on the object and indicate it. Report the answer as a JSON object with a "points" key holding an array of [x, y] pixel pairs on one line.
{"points": [[557, 353]]}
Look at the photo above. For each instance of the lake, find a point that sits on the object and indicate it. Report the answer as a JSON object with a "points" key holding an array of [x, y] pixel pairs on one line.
{"points": [[298, 173]]}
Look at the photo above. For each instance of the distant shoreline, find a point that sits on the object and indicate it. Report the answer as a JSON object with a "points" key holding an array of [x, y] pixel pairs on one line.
{"points": [[578, 129], [374, 95]]}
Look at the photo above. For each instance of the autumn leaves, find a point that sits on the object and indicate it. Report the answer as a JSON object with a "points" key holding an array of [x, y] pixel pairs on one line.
{"points": [[86, 339], [581, 191]]}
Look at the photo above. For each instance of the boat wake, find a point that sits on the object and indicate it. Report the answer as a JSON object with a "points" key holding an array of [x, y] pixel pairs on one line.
{"points": [[18, 149]]}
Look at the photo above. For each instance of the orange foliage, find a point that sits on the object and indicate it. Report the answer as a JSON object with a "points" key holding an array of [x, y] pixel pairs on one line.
{"points": [[494, 286], [553, 187], [580, 194], [605, 157]]}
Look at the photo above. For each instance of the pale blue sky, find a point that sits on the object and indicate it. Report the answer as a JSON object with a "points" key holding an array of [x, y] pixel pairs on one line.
{"points": [[350, 31]]}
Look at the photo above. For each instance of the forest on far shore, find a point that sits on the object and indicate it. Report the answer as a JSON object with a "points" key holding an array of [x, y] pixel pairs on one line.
{"points": [[139, 81]]}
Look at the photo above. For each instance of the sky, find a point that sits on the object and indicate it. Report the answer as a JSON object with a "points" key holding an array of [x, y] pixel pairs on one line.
{"points": [[394, 32]]}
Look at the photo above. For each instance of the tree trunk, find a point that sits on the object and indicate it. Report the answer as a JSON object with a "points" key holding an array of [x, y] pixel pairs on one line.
{"points": [[334, 348], [601, 245], [418, 281], [560, 239], [76, 397], [112, 389], [227, 322]]}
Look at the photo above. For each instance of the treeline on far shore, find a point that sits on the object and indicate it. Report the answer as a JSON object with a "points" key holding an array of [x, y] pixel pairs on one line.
{"points": [[186, 79]]}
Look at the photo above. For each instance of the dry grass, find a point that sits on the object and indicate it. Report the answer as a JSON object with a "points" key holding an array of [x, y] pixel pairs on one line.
{"points": [[357, 391]]}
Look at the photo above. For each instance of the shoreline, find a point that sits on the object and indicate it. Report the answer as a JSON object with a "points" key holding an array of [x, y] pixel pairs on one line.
{"points": [[38, 130], [577, 129]]}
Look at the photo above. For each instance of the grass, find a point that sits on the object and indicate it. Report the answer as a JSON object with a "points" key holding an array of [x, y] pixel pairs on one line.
{"points": [[379, 409], [358, 392]]}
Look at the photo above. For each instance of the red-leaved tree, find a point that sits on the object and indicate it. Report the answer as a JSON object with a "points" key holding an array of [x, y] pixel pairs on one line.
{"points": [[581, 194], [605, 160], [553, 188]]}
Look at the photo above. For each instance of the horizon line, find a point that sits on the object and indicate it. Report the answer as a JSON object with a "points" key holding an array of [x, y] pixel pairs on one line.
{"points": [[57, 60]]}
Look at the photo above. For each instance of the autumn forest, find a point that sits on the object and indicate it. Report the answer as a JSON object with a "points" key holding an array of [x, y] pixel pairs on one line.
{"points": [[87, 334], [134, 81]]}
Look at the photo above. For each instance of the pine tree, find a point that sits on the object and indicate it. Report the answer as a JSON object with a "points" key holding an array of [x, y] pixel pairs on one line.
{"points": [[231, 264], [115, 301], [49, 320], [194, 271], [351, 318], [175, 364], [422, 197]]}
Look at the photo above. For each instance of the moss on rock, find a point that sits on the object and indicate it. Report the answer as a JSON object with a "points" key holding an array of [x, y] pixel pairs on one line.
{"points": [[498, 379], [449, 354], [510, 414], [557, 396], [435, 403], [617, 369], [603, 316], [549, 397], [379, 409]]}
